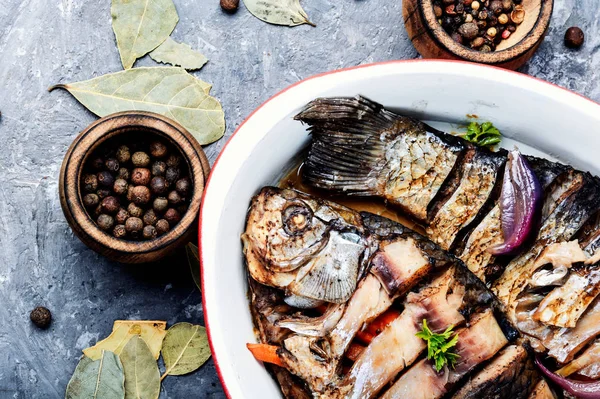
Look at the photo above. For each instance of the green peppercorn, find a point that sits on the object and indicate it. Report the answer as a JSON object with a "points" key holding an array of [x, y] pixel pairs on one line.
{"points": [[158, 149], [149, 232], [119, 231], [90, 183], [162, 226], [140, 159], [91, 200], [123, 155], [105, 222], [160, 204]]}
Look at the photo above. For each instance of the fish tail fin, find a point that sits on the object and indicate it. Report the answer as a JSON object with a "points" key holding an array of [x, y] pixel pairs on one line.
{"points": [[349, 137]]}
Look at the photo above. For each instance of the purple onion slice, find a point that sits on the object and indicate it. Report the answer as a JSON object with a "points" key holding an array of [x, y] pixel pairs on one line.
{"points": [[520, 202], [580, 389]]}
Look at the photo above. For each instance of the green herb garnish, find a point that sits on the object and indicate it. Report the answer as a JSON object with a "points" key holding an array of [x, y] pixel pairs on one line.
{"points": [[439, 345], [483, 135]]}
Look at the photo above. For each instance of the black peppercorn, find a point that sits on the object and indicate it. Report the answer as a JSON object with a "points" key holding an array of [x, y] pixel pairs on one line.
{"points": [[172, 216], [123, 155], [140, 195], [120, 187], [158, 149], [110, 205], [140, 159], [97, 163], [134, 210], [149, 232], [448, 23], [123, 173], [160, 204], [140, 176], [183, 186], [91, 200], [174, 198], [106, 179], [158, 185], [103, 193], [159, 168], [134, 226], [574, 37], [112, 165], [90, 183], [150, 217], [41, 317], [105, 222], [173, 161], [172, 174], [119, 231], [121, 216], [162, 226]]}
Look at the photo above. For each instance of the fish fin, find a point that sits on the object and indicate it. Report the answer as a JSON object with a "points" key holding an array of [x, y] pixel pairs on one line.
{"points": [[349, 143]]}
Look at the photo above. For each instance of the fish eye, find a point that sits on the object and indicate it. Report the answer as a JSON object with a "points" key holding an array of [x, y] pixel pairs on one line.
{"points": [[296, 218]]}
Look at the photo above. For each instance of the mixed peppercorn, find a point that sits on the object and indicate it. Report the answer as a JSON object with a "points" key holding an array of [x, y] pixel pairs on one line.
{"points": [[479, 24], [136, 191]]}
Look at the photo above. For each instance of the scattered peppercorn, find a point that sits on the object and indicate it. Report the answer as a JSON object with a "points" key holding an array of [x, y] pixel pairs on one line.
{"points": [[110, 205], [158, 185], [158, 149], [120, 187], [140, 176], [150, 217], [119, 231], [140, 159], [162, 226], [149, 232], [112, 165], [172, 216], [123, 155], [574, 37], [230, 6], [135, 210], [41, 317], [91, 200], [105, 222], [90, 183], [160, 204], [122, 216]]}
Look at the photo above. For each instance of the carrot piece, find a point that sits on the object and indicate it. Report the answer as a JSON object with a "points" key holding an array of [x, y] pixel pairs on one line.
{"points": [[381, 322], [265, 353], [365, 337], [354, 351]]}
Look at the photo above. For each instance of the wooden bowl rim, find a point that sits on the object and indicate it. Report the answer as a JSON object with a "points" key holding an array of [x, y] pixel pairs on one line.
{"points": [[439, 35], [107, 128]]}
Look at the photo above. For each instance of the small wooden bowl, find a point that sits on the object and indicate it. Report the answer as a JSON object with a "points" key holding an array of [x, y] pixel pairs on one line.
{"points": [[99, 132], [432, 41]]}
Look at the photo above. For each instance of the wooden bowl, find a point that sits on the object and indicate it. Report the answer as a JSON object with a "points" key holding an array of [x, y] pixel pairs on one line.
{"points": [[432, 41], [103, 130]]}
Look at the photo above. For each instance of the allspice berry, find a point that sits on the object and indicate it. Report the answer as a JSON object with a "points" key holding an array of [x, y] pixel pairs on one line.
{"points": [[149, 232], [574, 37], [150, 217], [123, 155], [120, 187], [140, 176], [172, 216], [230, 6], [160, 204], [140, 195], [162, 226], [174, 198], [123, 173], [91, 200], [110, 205], [134, 226], [112, 165], [159, 168], [119, 231], [134, 210], [183, 186], [158, 185], [105, 222], [140, 159], [106, 179], [172, 174], [90, 183], [158, 149], [41, 317], [122, 215]]}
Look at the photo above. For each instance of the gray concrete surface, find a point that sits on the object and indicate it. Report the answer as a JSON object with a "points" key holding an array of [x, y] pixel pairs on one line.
{"points": [[44, 42]]}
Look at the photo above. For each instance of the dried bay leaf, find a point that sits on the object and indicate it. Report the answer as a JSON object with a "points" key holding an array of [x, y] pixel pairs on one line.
{"points": [[185, 349], [278, 12], [101, 379], [194, 262], [152, 332], [178, 54], [142, 377], [169, 91], [141, 25]]}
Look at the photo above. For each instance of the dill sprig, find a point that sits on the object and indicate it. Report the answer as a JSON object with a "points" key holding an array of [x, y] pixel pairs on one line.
{"points": [[483, 135], [439, 346]]}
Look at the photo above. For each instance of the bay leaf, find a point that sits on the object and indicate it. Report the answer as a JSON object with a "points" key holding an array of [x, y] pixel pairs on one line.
{"points": [[142, 377], [140, 26], [184, 349], [101, 379], [278, 12], [169, 91], [178, 54], [194, 262], [152, 332]]}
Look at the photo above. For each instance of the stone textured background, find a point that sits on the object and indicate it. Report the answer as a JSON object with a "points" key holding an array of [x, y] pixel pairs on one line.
{"points": [[44, 42]]}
